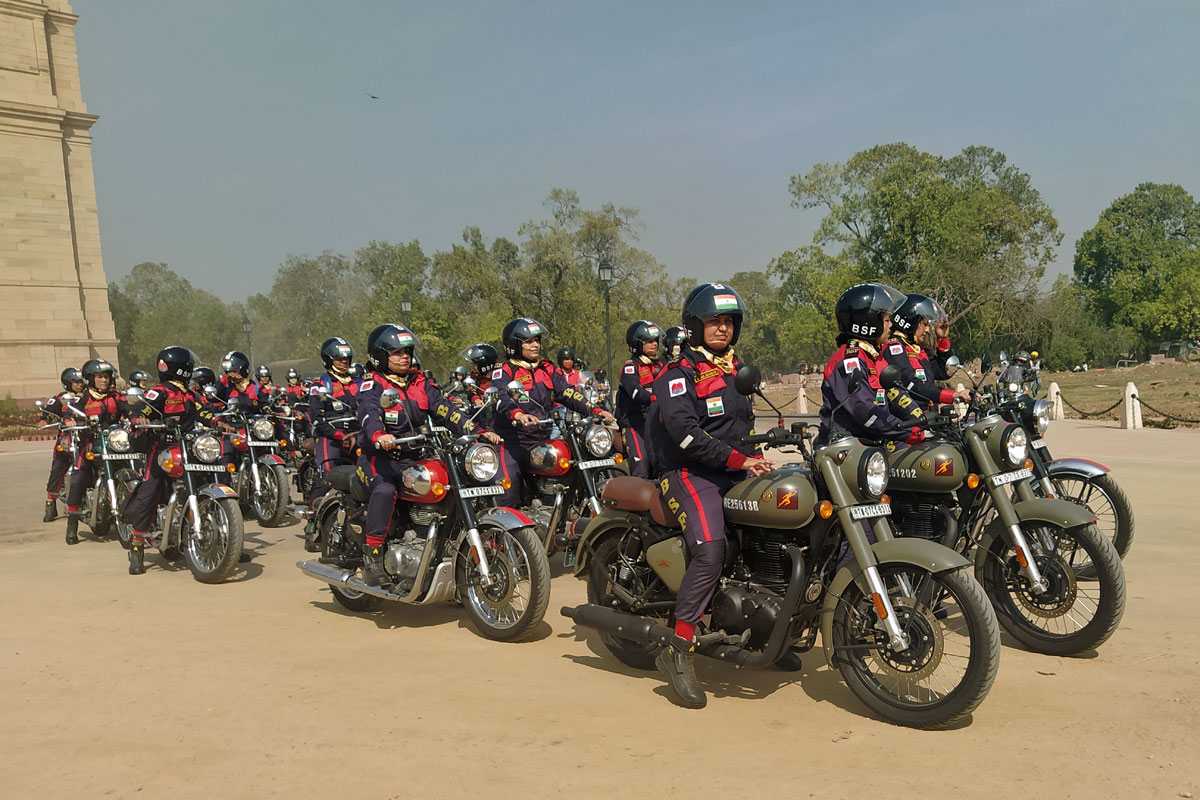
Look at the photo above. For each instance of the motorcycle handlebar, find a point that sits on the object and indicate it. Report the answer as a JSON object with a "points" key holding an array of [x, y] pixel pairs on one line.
{"points": [[775, 436]]}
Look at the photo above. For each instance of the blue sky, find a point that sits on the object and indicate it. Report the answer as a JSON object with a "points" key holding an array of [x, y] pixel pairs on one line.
{"points": [[234, 133]]}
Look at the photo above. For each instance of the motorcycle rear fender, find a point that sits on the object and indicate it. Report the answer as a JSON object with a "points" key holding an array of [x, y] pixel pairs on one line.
{"points": [[270, 459], [1076, 468], [1040, 509], [593, 530], [921, 553]]}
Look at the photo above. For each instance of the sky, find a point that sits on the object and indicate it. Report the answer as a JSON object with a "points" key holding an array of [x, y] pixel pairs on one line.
{"points": [[233, 134]]}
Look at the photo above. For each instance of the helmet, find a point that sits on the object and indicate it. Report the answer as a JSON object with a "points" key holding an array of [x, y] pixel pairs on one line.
{"points": [[519, 330], [203, 376], [176, 363], [709, 300], [915, 308], [139, 378], [94, 367], [235, 361], [1022, 357], [482, 355], [263, 372], [1034, 354], [461, 373], [357, 370], [861, 309], [69, 376], [292, 373], [386, 338], [335, 347], [639, 333], [565, 353]]}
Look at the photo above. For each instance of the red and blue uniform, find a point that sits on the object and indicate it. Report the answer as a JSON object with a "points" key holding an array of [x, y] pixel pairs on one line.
{"points": [[635, 398], [101, 409], [61, 457], [333, 415], [868, 412], [919, 371]]}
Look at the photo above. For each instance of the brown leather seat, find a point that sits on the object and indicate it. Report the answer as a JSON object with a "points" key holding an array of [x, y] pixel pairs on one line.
{"points": [[638, 494]]}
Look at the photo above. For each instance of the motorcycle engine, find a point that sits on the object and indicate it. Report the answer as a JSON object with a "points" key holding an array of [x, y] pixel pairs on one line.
{"points": [[736, 608], [403, 558], [921, 515]]}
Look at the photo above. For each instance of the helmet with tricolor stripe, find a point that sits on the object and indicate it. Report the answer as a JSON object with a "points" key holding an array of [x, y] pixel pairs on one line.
{"points": [[641, 332], [519, 330], [710, 300], [389, 338]]}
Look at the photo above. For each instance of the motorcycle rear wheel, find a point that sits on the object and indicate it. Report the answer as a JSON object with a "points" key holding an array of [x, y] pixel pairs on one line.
{"points": [[213, 556], [602, 572], [270, 503], [511, 609], [952, 659]]}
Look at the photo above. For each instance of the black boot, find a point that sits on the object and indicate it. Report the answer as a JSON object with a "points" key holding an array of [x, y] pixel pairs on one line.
{"points": [[311, 544], [137, 565], [789, 662], [676, 662], [51, 511], [72, 528], [373, 572]]}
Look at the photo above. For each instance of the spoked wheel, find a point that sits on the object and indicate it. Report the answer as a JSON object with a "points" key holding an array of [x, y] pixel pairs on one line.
{"points": [[613, 563], [510, 608], [950, 662], [1105, 498], [1072, 615], [269, 504], [213, 555], [306, 476]]}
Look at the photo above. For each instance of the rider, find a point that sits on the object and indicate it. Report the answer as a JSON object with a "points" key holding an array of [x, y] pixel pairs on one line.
{"points": [[389, 352], [235, 388], [863, 315], [636, 392], [295, 388], [99, 403], [694, 438], [332, 397], [139, 379], [570, 370], [516, 419], [911, 324], [170, 402], [673, 339], [263, 373], [60, 462]]}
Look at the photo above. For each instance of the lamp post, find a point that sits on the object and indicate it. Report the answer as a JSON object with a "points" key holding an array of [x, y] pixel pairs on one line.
{"points": [[405, 309], [606, 277], [249, 343]]}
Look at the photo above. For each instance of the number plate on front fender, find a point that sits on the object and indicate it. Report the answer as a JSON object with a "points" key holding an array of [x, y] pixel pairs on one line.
{"points": [[1040, 444], [1011, 477], [481, 491], [602, 462], [866, 512]]}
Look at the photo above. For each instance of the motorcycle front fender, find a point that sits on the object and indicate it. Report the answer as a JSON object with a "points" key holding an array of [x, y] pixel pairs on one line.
{"points": [[510, 519], [1052, 511], [270, 459], [1075, 468], [923, 553], [592, 530], [216, 491]]}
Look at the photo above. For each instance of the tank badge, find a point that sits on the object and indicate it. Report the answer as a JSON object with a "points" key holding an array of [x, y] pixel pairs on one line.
{"points": [[943, 465], [925, 465], [788, 500], [766, 496]]}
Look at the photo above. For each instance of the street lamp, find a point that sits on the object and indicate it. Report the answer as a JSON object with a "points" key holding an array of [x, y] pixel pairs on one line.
{"points": [[249, 343], [405, 308], [606, 277]]}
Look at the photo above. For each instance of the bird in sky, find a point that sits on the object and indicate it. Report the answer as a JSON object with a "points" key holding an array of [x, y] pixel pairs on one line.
{"points": [[372, 96]]}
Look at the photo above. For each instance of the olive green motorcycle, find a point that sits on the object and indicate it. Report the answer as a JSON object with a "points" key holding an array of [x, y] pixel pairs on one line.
{"points": [[1054, 579], [810, 549]]}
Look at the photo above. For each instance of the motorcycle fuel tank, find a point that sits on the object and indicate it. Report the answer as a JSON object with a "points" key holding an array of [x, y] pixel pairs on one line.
{"points": [[784, 498], [927, 467]]}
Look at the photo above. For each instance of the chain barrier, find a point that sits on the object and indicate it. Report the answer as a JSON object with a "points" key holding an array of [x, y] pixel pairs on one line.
{"points": [[1163, 413], [1083, 413]]}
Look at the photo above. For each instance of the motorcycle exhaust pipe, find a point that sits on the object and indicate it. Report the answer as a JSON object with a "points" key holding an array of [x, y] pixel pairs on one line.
{"points": [[344, 579], [619, 623]]}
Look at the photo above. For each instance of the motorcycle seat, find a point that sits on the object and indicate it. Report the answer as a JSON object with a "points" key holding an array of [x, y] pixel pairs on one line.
{"points": [[638, 494], [341, 477]]}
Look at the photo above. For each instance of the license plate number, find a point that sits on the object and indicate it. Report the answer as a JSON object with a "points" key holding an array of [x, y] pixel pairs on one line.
{"points": [[866, 512], [602, 462], [1010, 477], [116, 456], [1040, 444], [205, 467], [481, 491]]}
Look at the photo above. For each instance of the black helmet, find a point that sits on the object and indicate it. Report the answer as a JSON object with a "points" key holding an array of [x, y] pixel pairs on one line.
{"points": [[915, 308], [139, 378], [709, 300], [176, 363], [1022, 358], [263, 371], [482, 355], [69, 376], [639, 333], [235, 361], [461, 373], [861, 309], [563, 354], [96, 366], [292, 373], [203, 376], [386, 338], [357, 370], [521, 329], [335, 347]]}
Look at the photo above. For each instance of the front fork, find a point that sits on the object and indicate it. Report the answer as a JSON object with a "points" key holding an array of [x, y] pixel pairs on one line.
{"points": [[1008, 515], [861, 547]]}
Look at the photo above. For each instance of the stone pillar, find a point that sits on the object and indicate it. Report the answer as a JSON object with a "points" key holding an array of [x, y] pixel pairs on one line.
{"points": [[801, 401], [1054, 395], [1131, 409]]}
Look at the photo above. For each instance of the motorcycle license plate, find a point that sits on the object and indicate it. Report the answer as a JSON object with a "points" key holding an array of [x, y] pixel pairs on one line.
{"points": [[1040, 444], [867, 512], [601, 462], [481, 491], [114, 456], [1011, 477], [205, 467]]}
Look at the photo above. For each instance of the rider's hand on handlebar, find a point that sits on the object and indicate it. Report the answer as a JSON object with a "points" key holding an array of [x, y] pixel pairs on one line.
{"points": [[604, 415], [386, 442], [758, 466], [525, 420], [963, 394], [494, 438]]}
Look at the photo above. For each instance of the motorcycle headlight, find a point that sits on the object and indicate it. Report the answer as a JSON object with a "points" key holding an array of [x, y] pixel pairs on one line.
{"points": [[482, 462], [598, 440], [263, 429], [873, 473], [1041, 415], [1015, 445], [285, 411], [207, 448], [118, 440]]}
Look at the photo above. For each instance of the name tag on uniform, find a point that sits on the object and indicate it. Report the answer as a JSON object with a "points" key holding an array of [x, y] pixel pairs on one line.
{"points": [[391, 416], [716, 406]]}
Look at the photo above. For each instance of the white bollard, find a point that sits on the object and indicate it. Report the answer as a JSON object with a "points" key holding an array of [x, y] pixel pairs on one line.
{"points": [[1054, 395], [802, 401], [1131, 409]]}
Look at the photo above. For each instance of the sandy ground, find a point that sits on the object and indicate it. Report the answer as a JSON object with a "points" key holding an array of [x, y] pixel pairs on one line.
{"points": [[158, 686]]}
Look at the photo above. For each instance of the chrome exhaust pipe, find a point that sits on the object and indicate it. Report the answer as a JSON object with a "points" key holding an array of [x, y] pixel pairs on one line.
{"points": [[345, 579]]}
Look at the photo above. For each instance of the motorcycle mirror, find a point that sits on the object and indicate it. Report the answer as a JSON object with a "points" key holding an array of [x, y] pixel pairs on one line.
{"points": [[134, 392], [469, 381], [747, 379], [890, 378], [321, 390], [210, 391], [985, 364], [515, 389], [491, 393], [389, 398], [953, 362], [854, 383], [457, 386], [37, 403]]}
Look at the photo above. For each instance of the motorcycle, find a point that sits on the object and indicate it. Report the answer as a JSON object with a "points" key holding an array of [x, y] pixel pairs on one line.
{"points": [[68, 442], [260, 477], [200, 518], [799, 561], [445, 541], [1030, 554]]}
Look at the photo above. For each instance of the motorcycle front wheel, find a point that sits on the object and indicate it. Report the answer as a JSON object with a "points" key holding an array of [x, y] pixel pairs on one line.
{"points": [[1075, 613], [213, 555], [270, 503], [512, 606], [953, 653], [124, 530], [1105, 498]]}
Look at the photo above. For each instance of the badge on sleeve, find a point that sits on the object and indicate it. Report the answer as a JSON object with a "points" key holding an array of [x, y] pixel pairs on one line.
{"points": [[391, 416], [920, 374], [367, 385], [677, 387], [629, 369], [880, 397], [497, 373], [716, 406], [152, 394], [850, 365], [896, 349]]}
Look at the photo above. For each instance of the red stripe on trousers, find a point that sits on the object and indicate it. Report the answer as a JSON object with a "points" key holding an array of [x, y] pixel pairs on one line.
{"points": [[699, 508]]}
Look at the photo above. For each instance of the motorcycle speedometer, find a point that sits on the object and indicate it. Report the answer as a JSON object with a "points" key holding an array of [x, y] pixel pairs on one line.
{"points": [[207, 448], [598, 440], [118, 440], [482, 462], [263, 429]]}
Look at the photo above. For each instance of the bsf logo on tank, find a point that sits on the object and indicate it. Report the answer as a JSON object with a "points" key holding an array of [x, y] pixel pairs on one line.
{"points": [[943, 466]]}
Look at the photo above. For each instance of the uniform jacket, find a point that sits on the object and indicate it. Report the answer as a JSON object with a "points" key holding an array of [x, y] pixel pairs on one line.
{"points": [[246, 400], [341, 401], [546, 386], [919, 371], [419, 399], [175, 405], [867, 413], [101, 409], [635, 393]]}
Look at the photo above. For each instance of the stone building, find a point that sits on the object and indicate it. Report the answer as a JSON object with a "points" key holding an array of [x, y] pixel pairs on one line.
{"points": [[53, 294]]}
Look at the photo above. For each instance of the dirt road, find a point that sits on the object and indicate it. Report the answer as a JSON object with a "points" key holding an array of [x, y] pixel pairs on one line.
{"points": [[158, 686]]}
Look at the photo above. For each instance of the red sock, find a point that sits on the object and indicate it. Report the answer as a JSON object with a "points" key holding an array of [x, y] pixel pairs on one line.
{"points": [[72, 509], [374, 541], [685, 630]]}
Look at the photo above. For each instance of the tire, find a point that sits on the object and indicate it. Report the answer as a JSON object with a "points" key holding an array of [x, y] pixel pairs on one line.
{"points": [[501, 612], [1047, 623], [124, 530], [356, 601], [969, 629], [214, 556], [1107, 500], [601, 573], [306, 476], [270, 504]]}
